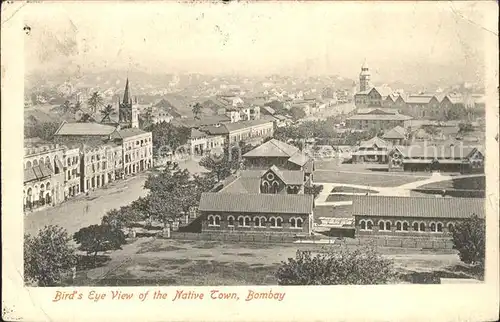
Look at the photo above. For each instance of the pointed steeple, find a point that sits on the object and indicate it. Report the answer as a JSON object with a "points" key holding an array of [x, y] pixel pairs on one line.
{"points": [[126, 95]]}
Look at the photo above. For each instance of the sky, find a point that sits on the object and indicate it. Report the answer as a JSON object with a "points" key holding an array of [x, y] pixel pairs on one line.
{"points": [[398, 41]]}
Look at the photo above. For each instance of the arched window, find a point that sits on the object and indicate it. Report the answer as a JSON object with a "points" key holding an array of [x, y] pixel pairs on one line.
{"points": [[35, 163], [247, 221], [272, 221], [405, 226], [279, 221], [47, 162], [260, 221], [292, 222], [275, 188], [433, 227], [41, 161], [422, 226], [299, 222], [230, 221], [381, 225], [415, 226], [241, 221], [211, 220], [387, 225], [217, 221], [439, 227], [398, 226], [362, 225], [276, 222], [451, 227], [28, 164], [265, 187], [369, 225]]}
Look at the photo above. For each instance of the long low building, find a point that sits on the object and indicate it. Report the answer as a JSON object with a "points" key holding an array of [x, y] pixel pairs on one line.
{"points": [[451, 158], [412, 216]]}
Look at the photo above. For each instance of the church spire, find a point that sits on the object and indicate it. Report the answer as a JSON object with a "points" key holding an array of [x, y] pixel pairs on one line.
{"points": [[126, 95]]}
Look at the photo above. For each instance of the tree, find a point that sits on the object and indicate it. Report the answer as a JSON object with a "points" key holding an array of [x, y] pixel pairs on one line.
{"points": [[314, 190], [99, 238], [44, 131], [167, 137], [469, 240], [123, 217], [95, 101], [196, 110], [361, 266], [107, 111], [220, 167], [86, 118], [464, 128], [457, 112], [48, 256]]}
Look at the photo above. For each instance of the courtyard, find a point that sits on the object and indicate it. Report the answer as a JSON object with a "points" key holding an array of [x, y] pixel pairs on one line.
{"points": [[150, 261]]}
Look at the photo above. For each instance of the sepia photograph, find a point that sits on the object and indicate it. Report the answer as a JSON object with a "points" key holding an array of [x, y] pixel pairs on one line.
{"points": [[261, 145]]}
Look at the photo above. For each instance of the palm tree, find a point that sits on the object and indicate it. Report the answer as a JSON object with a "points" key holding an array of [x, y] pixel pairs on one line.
{"points": [[196, 110], [66, 107], [95, 101], [106, 112]]}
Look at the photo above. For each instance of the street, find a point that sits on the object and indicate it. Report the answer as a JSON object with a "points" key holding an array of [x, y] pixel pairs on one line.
{"points": [[87, 210]]}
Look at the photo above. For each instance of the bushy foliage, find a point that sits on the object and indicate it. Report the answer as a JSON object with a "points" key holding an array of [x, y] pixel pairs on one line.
{"points": [[167, 137], [342, 266], [469, 240], [99, 238], [314, 190], [44, 131], [48, 256]]}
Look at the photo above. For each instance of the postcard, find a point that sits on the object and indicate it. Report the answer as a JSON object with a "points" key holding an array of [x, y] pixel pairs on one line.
{"points": [[250, 161]]}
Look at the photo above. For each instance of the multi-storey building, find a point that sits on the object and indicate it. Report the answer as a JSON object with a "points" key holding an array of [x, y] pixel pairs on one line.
{"points": [[137, 149], [72, 170], [43, 176]]}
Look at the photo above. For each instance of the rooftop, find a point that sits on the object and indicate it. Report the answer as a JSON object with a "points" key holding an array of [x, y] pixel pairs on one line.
{"points": [[85, 129], [37, 172], [126, 133], [381, 117], [257, 203], [417, 207], [245, 124], [273, 148], [396, 133]]}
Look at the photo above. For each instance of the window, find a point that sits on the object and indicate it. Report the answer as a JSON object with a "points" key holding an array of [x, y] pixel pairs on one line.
{"points": [[381, 225], [387, 225], [405, 226], [296, 222], [276, 222], [451, 227], [260, 221], [415, 226], [422, 226], [433, 227], [214, 221], [399, 226], [244, 221], [439, 227]]}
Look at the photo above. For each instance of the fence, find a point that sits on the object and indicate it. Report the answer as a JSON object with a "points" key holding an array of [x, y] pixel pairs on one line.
{"points": [[403, 242], [237, 237]]}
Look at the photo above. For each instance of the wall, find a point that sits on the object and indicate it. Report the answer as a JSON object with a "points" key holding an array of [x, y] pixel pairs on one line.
{"points": [[234, 237], [285, 229], [410, 220], [408, 242]]}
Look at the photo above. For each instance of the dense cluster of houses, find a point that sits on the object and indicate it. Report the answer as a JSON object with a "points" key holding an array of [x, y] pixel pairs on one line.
{"points": [[85, 156]]}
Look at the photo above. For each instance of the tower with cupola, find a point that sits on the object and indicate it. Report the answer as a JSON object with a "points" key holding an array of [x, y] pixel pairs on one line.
{"points": [[364, 78]]}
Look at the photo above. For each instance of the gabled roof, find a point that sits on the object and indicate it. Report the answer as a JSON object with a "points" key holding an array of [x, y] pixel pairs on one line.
{"points": [[268, 109], [273, 148], [384, 91], [417, 207], [299, 158], [381, 143], [436, 152], [85, 129], [418, 99], [288, 176], [396, 133], [195, 134], [245, 124], [257, 203]]}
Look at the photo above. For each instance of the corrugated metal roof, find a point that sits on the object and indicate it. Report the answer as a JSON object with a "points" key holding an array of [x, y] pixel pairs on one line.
{"points": [[434, 207], [245, 124], [438, 152], [256, 203], [375, 141], [125, 133]]}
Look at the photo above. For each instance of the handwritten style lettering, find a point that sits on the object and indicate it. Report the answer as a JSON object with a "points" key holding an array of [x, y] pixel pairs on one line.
{"points": [[65, 296], [216, 295], [118, 295], [182, 295], [252, 295]]}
